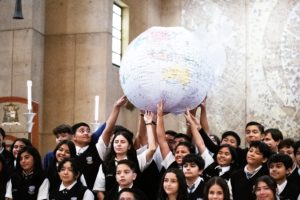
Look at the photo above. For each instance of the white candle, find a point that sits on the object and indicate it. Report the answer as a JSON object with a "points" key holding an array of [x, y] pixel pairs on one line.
{"points": [[29, 97], [96, 108]]}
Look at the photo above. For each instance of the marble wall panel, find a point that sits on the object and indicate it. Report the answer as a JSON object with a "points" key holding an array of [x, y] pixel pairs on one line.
{"points": [[6, 62], [59, 81], [69, 16]]}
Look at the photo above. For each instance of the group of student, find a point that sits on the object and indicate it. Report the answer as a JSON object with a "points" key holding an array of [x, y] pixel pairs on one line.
{"points": [[115, 164]]}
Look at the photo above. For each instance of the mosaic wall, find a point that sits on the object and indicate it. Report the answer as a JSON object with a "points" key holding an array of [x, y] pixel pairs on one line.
{"points": [[257, 45]]}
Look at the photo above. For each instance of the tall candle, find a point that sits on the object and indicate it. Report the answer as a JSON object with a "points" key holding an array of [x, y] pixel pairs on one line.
{"points": [[96, 108], [29, 97]]}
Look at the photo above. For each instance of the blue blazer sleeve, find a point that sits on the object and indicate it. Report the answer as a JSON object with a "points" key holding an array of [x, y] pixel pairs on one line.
{"points": [[98, 133]]}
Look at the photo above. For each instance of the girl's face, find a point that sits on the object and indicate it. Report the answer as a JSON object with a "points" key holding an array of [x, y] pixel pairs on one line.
{"points": [[63, 152], [263, 192], [224, 157], [121, 145], [17, 147], [170, 184], [215, 192], [26, 162], [66, 174], [180, 152]]}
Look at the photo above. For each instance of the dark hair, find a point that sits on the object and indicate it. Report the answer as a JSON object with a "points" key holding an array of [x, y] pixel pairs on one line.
{"points": [[263, 148], [275, 133], [130, 190], [76, 126], [258, 125], [182, 186], [193, 158], [288, 142], [63, 128], [37, 161], [271, 183], [216, 180], [232, 151], [71, 146], [129, 163], [296, 147], [189, 145], [2, 132], [233, 134], [184, 136], [74, 165], [24, 140], [170, 132], [283, 158]]}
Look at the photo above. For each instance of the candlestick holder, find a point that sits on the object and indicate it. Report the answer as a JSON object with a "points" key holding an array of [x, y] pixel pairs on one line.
{"points": [[29, 120], [95, 125]]}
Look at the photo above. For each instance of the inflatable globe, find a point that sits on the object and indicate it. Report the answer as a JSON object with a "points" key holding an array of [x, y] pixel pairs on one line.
{"points": [[168, 64]]}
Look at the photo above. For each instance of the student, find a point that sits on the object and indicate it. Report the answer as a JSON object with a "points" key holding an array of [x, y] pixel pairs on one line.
{"points": [[87, 152], [265, 188], [7, 155], [4, 177], [128, 194], [224, 164], [122, 147], [29, 181], [279, 167], [297, 153], [242, 180], [216, 189], [286, 146], [272, 138], [70, 188], [192, 167], [125, 176], [61, 132], [64, 149], [16, 146], [173, 186]]}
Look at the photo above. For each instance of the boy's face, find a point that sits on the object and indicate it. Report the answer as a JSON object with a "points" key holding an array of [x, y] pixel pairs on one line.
{"points": [[288, 151], [268, 139], [63, 136], [82, 135], [255, 157], [253, 134], [229, 140], [124, 175], [278, 171], [298, 157], [191, 170]]}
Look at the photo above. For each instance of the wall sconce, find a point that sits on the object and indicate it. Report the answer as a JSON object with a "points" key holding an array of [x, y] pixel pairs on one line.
{"points": [[18, 10]]}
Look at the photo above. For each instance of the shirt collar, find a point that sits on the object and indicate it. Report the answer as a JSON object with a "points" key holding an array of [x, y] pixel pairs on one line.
{"points": [[1, 149], [122, 188], [223, 169], [80, 150], [195, 184], [281, 186], [252, 173], [62, 187]]}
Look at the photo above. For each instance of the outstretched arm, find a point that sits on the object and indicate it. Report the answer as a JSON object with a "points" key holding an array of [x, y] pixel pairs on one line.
{"points": [[203, 116], [141, 138], [160, 131], [111, 121], [148, 118]]}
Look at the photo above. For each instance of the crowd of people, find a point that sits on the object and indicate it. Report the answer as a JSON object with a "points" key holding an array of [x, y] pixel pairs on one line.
{"points": [[153, 164]]}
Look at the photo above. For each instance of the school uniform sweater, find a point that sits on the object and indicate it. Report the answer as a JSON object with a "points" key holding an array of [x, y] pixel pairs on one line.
{"points": [[198, 193], [242, 187], [76, 192], [290, 192]]}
